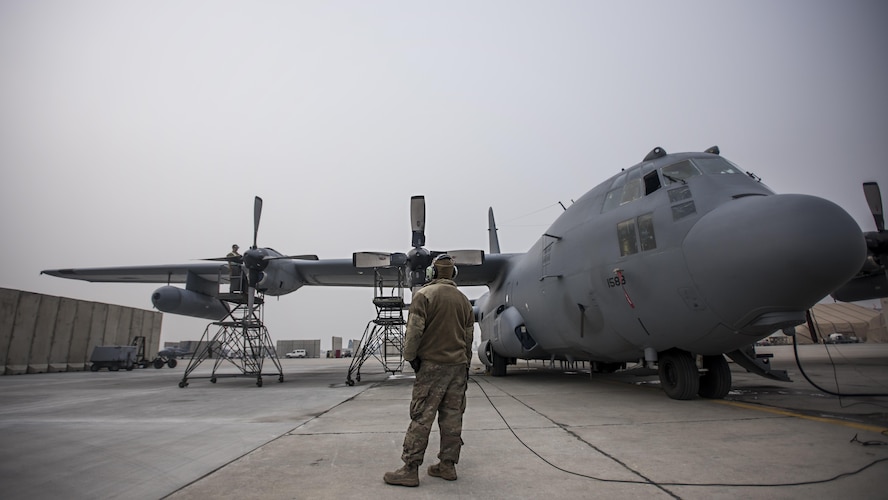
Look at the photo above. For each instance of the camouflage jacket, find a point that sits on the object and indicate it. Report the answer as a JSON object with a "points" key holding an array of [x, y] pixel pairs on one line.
{"points": [[440, 325]]}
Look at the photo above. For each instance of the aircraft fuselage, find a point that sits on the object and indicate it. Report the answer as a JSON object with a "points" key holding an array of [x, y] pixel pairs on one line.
{"points": [[684, 251]]}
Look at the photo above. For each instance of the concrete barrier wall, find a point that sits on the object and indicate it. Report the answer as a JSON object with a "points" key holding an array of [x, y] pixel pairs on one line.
{"points": [[312, 347], [45, 333]]}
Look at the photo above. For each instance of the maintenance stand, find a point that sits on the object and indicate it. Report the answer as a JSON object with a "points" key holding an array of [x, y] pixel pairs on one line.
{"points": [[240, 339], [384, 336]]}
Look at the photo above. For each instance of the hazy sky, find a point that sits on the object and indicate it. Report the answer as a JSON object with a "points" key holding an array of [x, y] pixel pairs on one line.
{"points": [[139, 132]]}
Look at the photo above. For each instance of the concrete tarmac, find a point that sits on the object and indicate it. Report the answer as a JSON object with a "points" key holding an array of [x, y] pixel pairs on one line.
{"points": [[537, 432]]}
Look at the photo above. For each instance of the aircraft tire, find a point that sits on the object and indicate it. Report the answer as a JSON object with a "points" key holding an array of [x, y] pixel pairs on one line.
{"points": [[172, 363], [678, 374], [499, 365], [715, 383], [158, 363], [93, 367]]}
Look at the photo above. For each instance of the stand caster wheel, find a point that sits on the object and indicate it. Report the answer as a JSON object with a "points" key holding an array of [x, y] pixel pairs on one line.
{"points": [[183, 384]]}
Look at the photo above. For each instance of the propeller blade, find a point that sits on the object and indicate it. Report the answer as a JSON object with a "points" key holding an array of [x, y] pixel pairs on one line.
{"points": [[257, 214], [874, 200], [467, 257], [295, 257], [417, 220], [239, 259], [371, 259], [251, 299]]}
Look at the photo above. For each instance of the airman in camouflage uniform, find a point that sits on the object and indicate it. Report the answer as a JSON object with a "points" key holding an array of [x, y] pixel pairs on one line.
{"points": [[438, 345]]}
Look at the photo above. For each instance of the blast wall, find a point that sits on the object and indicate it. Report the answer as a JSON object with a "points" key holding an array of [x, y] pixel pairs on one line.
{"points": [[312, 347], [44, 333]]}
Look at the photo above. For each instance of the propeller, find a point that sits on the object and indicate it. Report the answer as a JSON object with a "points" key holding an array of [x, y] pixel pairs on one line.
{"points": [[874, 200], [872, 280], [255, 259], [418, 258], [257, 214], [417, 220], [876, 241]]}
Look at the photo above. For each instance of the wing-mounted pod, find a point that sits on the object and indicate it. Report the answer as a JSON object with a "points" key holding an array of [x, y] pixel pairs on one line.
{"points": [[173, 300]]}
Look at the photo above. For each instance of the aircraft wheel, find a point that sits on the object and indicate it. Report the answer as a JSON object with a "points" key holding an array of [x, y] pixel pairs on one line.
{"points": [[715, 383], [114, 368], [158, 363], [678, 374], [172, 363], [93, 367], [499, 365]]}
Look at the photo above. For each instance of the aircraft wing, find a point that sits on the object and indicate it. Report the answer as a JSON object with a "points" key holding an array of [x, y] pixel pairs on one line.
{"points": [[491, 270], [336, 272], [341, 272], [174, 273], [326, 272]]}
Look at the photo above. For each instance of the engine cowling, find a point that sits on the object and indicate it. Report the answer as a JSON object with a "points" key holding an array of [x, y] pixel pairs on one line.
{"points": [[511, 338], [173, 300]]}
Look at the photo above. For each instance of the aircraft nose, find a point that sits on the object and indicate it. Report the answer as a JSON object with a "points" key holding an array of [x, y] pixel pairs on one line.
{"points": [[770, 254]]}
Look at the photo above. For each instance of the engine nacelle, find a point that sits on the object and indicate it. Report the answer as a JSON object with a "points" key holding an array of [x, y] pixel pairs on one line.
{"points": [[485, 354], [173, 300], [510, 336]]}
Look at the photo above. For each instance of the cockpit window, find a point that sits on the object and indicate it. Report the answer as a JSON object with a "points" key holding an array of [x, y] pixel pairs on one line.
{"points": [[679, 172], [717, 166], [634, 188], [622, 192]]}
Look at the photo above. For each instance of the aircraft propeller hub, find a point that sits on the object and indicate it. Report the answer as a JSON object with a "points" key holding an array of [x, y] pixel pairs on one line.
{"points": [[254, 259], [419, 258]]}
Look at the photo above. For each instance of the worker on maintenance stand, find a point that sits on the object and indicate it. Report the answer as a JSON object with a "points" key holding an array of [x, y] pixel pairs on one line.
{"points": [[234, 269]]}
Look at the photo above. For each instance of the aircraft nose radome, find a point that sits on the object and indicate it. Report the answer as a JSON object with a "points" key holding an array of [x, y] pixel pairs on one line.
{"points": [[761, 254]]}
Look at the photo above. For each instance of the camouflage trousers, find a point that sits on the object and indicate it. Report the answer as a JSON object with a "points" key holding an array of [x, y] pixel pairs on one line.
{"points": [[438, 390]]}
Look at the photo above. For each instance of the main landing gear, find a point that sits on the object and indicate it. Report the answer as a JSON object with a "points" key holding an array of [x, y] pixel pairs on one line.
{"points": [[681, 378]]}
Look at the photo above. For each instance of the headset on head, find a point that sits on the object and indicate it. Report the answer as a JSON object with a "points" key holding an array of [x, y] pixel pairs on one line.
{"points": [[432, 273]]}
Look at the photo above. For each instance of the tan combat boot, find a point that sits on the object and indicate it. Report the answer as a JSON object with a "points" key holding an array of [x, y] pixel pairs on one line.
{"points": [[405, 476], [445, 469]]}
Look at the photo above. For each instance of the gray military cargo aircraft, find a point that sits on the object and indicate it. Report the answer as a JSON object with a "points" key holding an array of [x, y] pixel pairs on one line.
{"points": [[675, 262]]}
